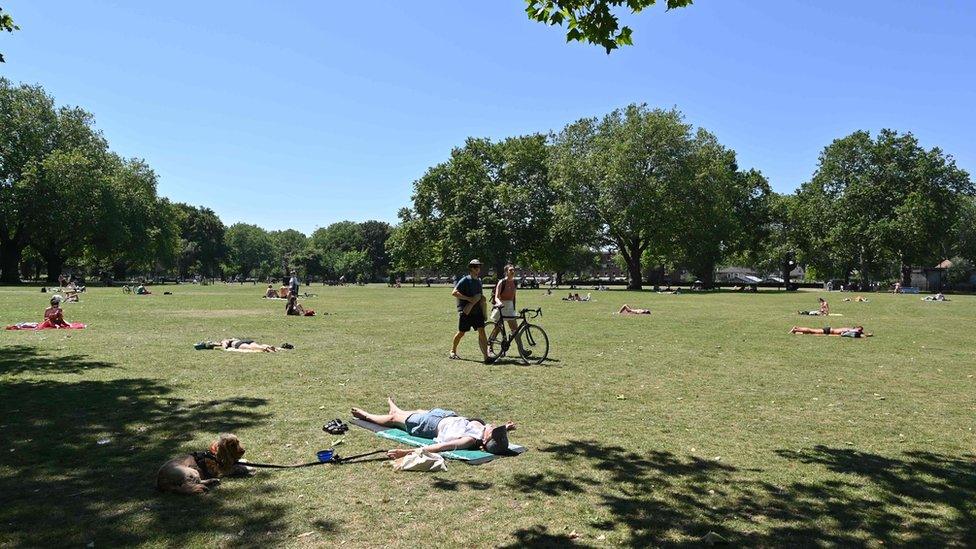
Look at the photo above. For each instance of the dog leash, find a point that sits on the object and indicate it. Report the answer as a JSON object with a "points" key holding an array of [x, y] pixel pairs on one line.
{"points": [[323, 459]]}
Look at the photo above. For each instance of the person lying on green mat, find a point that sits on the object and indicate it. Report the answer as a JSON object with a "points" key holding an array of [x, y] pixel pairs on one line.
{"points": [[449, 430]]}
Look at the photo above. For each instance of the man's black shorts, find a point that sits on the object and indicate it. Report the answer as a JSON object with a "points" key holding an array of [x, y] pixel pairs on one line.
{"points": [[472, 321]]}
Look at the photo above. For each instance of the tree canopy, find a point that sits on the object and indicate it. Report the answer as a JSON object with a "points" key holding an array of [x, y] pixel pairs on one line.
{"points": [[6, 24], [592, 21], [879, 203], [490, 200]]}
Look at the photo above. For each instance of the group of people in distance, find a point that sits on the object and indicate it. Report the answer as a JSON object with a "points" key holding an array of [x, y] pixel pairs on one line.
{"points": [[576, 297], [289, 292], [824, 310]]}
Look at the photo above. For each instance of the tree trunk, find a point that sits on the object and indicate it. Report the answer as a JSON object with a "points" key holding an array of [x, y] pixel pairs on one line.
{"points": [[55, 266], [707, 276], [906, 275], [634, 271], [10, 262]]}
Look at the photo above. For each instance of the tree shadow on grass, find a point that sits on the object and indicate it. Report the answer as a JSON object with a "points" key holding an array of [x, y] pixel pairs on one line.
{"points": [[61, 487], [23, 359], [659, 499]]}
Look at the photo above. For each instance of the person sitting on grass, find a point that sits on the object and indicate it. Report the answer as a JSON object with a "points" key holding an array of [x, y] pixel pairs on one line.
{"points": [[270, 293], [449, 430], [293, 308], [937, 297], [824, 309], [141, 290], [283, 291], [240, 346], [628, 310], [53, 315], [856, 331]]}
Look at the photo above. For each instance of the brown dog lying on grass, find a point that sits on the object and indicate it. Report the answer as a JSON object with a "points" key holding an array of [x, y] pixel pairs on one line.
{"points": [[200, 471]]}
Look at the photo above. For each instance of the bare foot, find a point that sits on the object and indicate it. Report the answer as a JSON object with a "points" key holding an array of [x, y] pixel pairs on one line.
{"points": [[358, 413]]}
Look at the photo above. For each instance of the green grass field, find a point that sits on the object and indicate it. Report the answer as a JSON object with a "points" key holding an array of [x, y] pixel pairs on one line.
{"points": [[705, 416]]}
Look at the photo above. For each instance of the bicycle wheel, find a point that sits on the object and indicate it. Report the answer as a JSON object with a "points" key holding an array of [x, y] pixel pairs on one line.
{"points": [[533, 344], [126, 290], [495, 341]]}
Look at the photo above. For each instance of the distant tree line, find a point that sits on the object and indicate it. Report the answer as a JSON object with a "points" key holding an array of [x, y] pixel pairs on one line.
{"points": [[665, 196], [643, 183], [67, 202]]}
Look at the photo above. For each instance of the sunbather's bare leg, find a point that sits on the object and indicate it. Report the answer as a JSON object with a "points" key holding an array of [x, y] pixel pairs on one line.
{"points": [[394, 418]]}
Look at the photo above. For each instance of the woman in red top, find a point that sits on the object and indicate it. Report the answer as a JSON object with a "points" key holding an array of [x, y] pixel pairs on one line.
{"points": [[503, 307], [53, 315]]}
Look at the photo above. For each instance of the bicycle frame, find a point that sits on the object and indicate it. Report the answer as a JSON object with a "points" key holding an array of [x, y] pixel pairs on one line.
{"points": [[519, 330]]}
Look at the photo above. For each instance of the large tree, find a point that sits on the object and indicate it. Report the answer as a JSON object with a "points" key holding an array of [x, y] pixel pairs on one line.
{"points": [[616, 175], [778, 246], [28, 120], [966, 230], [249, 248], [137, 230], [592, 21], [490, 200], [375, 234], [288, 246], [882, 202], [202, 233], [68, 185], [721, 210]]}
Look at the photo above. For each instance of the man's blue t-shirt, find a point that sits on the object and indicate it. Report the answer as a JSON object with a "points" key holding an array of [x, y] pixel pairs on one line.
{"points": [[470, 287]]}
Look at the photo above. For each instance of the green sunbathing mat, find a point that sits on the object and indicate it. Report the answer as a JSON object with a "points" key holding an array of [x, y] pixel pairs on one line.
{"points": [[471, 457]]}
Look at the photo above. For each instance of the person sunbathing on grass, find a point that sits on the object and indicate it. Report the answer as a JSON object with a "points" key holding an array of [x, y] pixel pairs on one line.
{"points": [[856, 331], [824, 309], [240, 346], [270, 293], [937, 297], [628, 310], [858, 299], [53, 315], [449, 430]]}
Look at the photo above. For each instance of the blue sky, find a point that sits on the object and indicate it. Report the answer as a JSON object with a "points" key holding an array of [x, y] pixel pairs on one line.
{"points": [[340, 106]]}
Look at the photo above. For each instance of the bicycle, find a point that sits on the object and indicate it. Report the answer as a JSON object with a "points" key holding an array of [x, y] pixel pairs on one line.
{"points": [[126, 289], [531, 339]]}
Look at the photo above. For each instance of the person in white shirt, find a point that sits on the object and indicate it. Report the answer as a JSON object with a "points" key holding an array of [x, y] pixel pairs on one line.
{"points": [[449, 430]]}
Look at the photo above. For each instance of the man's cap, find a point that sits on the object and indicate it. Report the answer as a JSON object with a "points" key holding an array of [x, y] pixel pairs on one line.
{"points": [[498, 444], [474, 262]]}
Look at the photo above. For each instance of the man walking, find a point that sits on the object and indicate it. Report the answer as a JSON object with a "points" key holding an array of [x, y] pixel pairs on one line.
{"points": [[293, 284], [471, 308]]}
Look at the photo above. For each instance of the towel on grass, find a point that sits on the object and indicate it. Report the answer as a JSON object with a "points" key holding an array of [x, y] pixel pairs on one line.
{"points": [[471, 457], [45, 326]]}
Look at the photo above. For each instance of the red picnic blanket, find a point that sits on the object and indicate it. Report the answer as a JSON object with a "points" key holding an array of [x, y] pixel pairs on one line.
{"points": [[46, 325]]}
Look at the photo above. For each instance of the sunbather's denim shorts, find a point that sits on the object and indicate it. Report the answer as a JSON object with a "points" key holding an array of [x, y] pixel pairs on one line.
{"points": [[425, 425]]}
